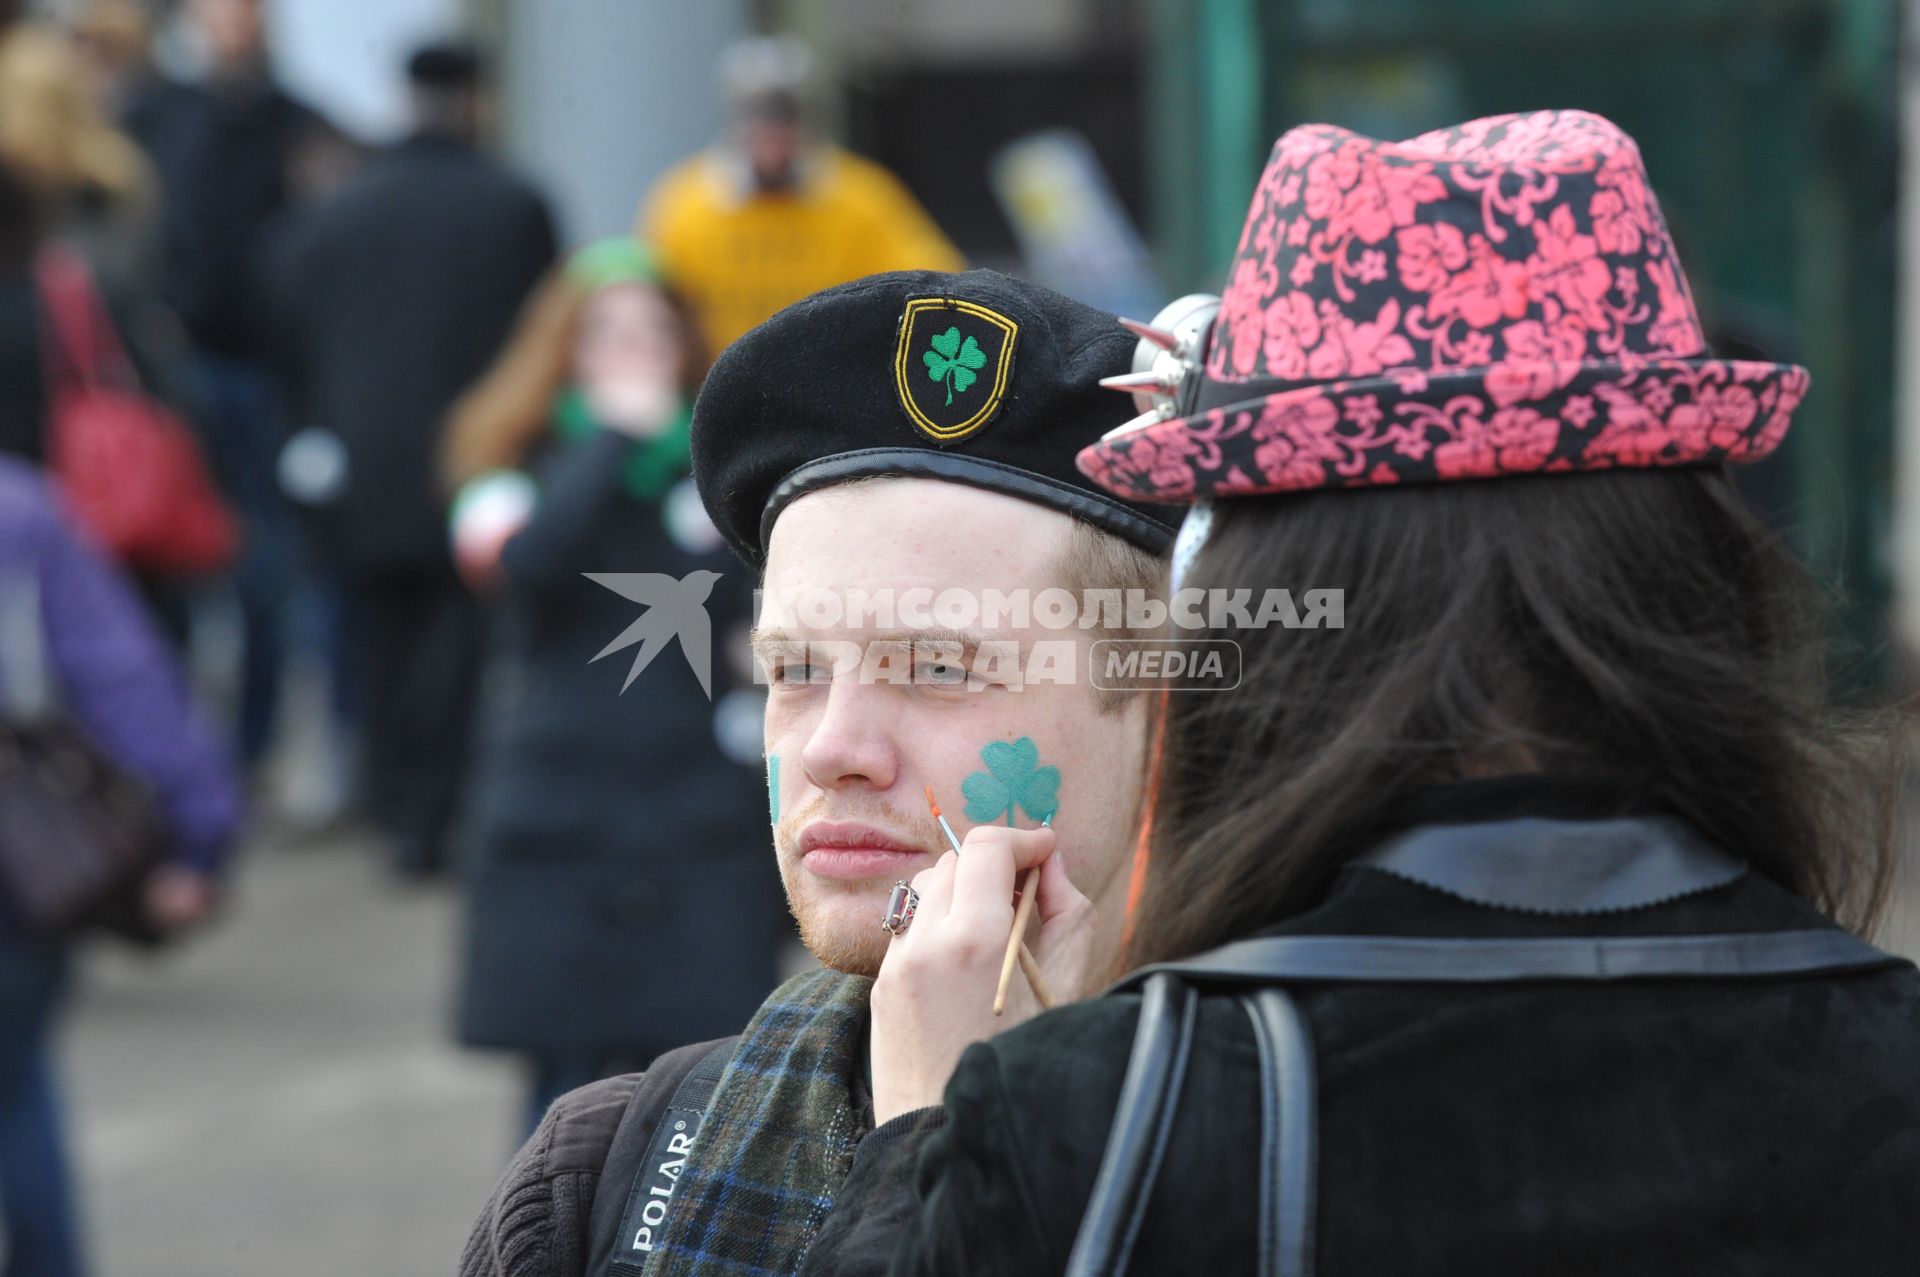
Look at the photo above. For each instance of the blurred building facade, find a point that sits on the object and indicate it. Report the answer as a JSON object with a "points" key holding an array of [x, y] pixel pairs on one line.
{"points": [[602, 96], [344, 55]]}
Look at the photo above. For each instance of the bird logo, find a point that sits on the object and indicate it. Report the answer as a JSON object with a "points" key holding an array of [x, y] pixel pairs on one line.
{"points": [[676, 609]]}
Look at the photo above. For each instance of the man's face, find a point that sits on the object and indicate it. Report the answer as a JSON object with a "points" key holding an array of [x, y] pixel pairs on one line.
{"points": [[772, 146], [863, 717], [234, 30]]}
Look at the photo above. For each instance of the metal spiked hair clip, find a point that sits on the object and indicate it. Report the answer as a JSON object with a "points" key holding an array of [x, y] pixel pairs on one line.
{"points": [[1168, 361]]}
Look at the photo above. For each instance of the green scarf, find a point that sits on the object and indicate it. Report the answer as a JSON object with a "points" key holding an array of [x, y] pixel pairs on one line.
{"points": [[778, 1139], [653, 466]]}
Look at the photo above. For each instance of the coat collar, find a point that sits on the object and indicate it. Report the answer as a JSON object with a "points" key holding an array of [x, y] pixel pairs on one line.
{"points": [[1562, 843], [1542, 865]]}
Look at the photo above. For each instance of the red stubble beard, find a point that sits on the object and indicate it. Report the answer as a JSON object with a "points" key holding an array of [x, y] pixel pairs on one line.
{"points": [[839, 920]]}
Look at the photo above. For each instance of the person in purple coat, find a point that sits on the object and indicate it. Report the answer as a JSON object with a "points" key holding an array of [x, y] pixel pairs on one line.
{"points": [[118, 680]]}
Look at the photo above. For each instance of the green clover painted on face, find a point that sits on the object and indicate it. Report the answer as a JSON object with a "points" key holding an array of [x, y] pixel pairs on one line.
{"points": [[1014, 779], [954, 362]]}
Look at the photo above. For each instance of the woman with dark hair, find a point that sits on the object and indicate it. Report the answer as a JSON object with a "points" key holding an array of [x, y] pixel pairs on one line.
{"points": [[618, 899], [1490, 931]]}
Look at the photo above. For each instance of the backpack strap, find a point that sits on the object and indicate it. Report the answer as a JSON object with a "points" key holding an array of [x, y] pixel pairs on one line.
{"points": [[643, 1222], [1142, 1123], [1289, 1134]]}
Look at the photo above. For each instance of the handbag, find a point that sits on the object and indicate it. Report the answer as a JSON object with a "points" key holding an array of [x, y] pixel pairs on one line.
{"points": [[129, 467], [79, 836]]}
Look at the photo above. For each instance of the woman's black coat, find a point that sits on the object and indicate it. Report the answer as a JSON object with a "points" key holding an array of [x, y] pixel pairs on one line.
{"points": [[623, 893], [1756, 1128]]}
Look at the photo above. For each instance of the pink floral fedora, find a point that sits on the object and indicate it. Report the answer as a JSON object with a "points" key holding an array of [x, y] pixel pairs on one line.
{"points": [[1497, 298]]}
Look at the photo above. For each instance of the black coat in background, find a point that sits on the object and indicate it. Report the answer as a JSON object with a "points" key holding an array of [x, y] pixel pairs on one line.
{"points": [[23, 391], [398, 293], [223, 152], [1764, 1128], [623, 893]]}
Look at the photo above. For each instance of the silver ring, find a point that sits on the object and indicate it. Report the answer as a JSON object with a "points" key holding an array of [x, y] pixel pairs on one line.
{"points": [[901, 906]]}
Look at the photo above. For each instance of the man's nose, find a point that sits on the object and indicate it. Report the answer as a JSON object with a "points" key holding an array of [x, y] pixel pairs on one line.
{"points": [[853, 743]]}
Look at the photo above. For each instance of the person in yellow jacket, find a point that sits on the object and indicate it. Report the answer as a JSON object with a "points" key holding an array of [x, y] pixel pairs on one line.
{"points": [[771, 215]]}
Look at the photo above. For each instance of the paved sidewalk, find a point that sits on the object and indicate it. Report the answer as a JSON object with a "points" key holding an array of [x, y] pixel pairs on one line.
{"points": [[282, 1096]]}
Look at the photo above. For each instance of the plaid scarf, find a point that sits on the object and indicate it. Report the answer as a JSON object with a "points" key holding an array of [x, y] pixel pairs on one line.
{"points": [[778, 1138]]}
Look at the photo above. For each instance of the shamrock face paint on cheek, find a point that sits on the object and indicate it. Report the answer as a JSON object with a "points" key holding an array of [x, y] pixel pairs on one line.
{"points": [[1013, 782], [773, 789]]}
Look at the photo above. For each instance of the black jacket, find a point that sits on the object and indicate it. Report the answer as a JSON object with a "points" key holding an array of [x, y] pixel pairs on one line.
{"points": [[397, 295], [223, 154], [23, 392], [1757, 1128], [623, 892]]}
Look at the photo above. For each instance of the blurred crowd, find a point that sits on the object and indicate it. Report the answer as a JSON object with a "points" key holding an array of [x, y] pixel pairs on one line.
{"points": [[344, 491], [273, 398]]}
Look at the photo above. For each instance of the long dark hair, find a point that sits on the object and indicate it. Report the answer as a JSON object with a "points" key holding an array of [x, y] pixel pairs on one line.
{"points": [[1639, 624]]}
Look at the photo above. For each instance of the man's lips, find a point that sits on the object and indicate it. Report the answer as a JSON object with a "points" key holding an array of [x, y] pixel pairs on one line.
{"points": [[837, 850]]}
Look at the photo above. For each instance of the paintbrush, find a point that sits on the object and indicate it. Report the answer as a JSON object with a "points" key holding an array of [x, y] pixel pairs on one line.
{"points": [[1016, 943], [953, 839], [1017, 950]]}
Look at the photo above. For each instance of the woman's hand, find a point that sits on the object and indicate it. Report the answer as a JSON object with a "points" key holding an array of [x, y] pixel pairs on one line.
{"points": [[489, 512], [178, 898], [934, 995]]}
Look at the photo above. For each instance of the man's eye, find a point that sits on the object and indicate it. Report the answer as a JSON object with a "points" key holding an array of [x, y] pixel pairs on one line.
{"points": [[940, 673], [798, 672]]}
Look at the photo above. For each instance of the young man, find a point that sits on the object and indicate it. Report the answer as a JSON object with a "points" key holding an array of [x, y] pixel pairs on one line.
{"points": [[897, 456]]}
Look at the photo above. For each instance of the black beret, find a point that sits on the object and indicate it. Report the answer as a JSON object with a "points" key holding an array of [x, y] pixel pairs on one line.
{"points": [[977, 378], [447, 65]]}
